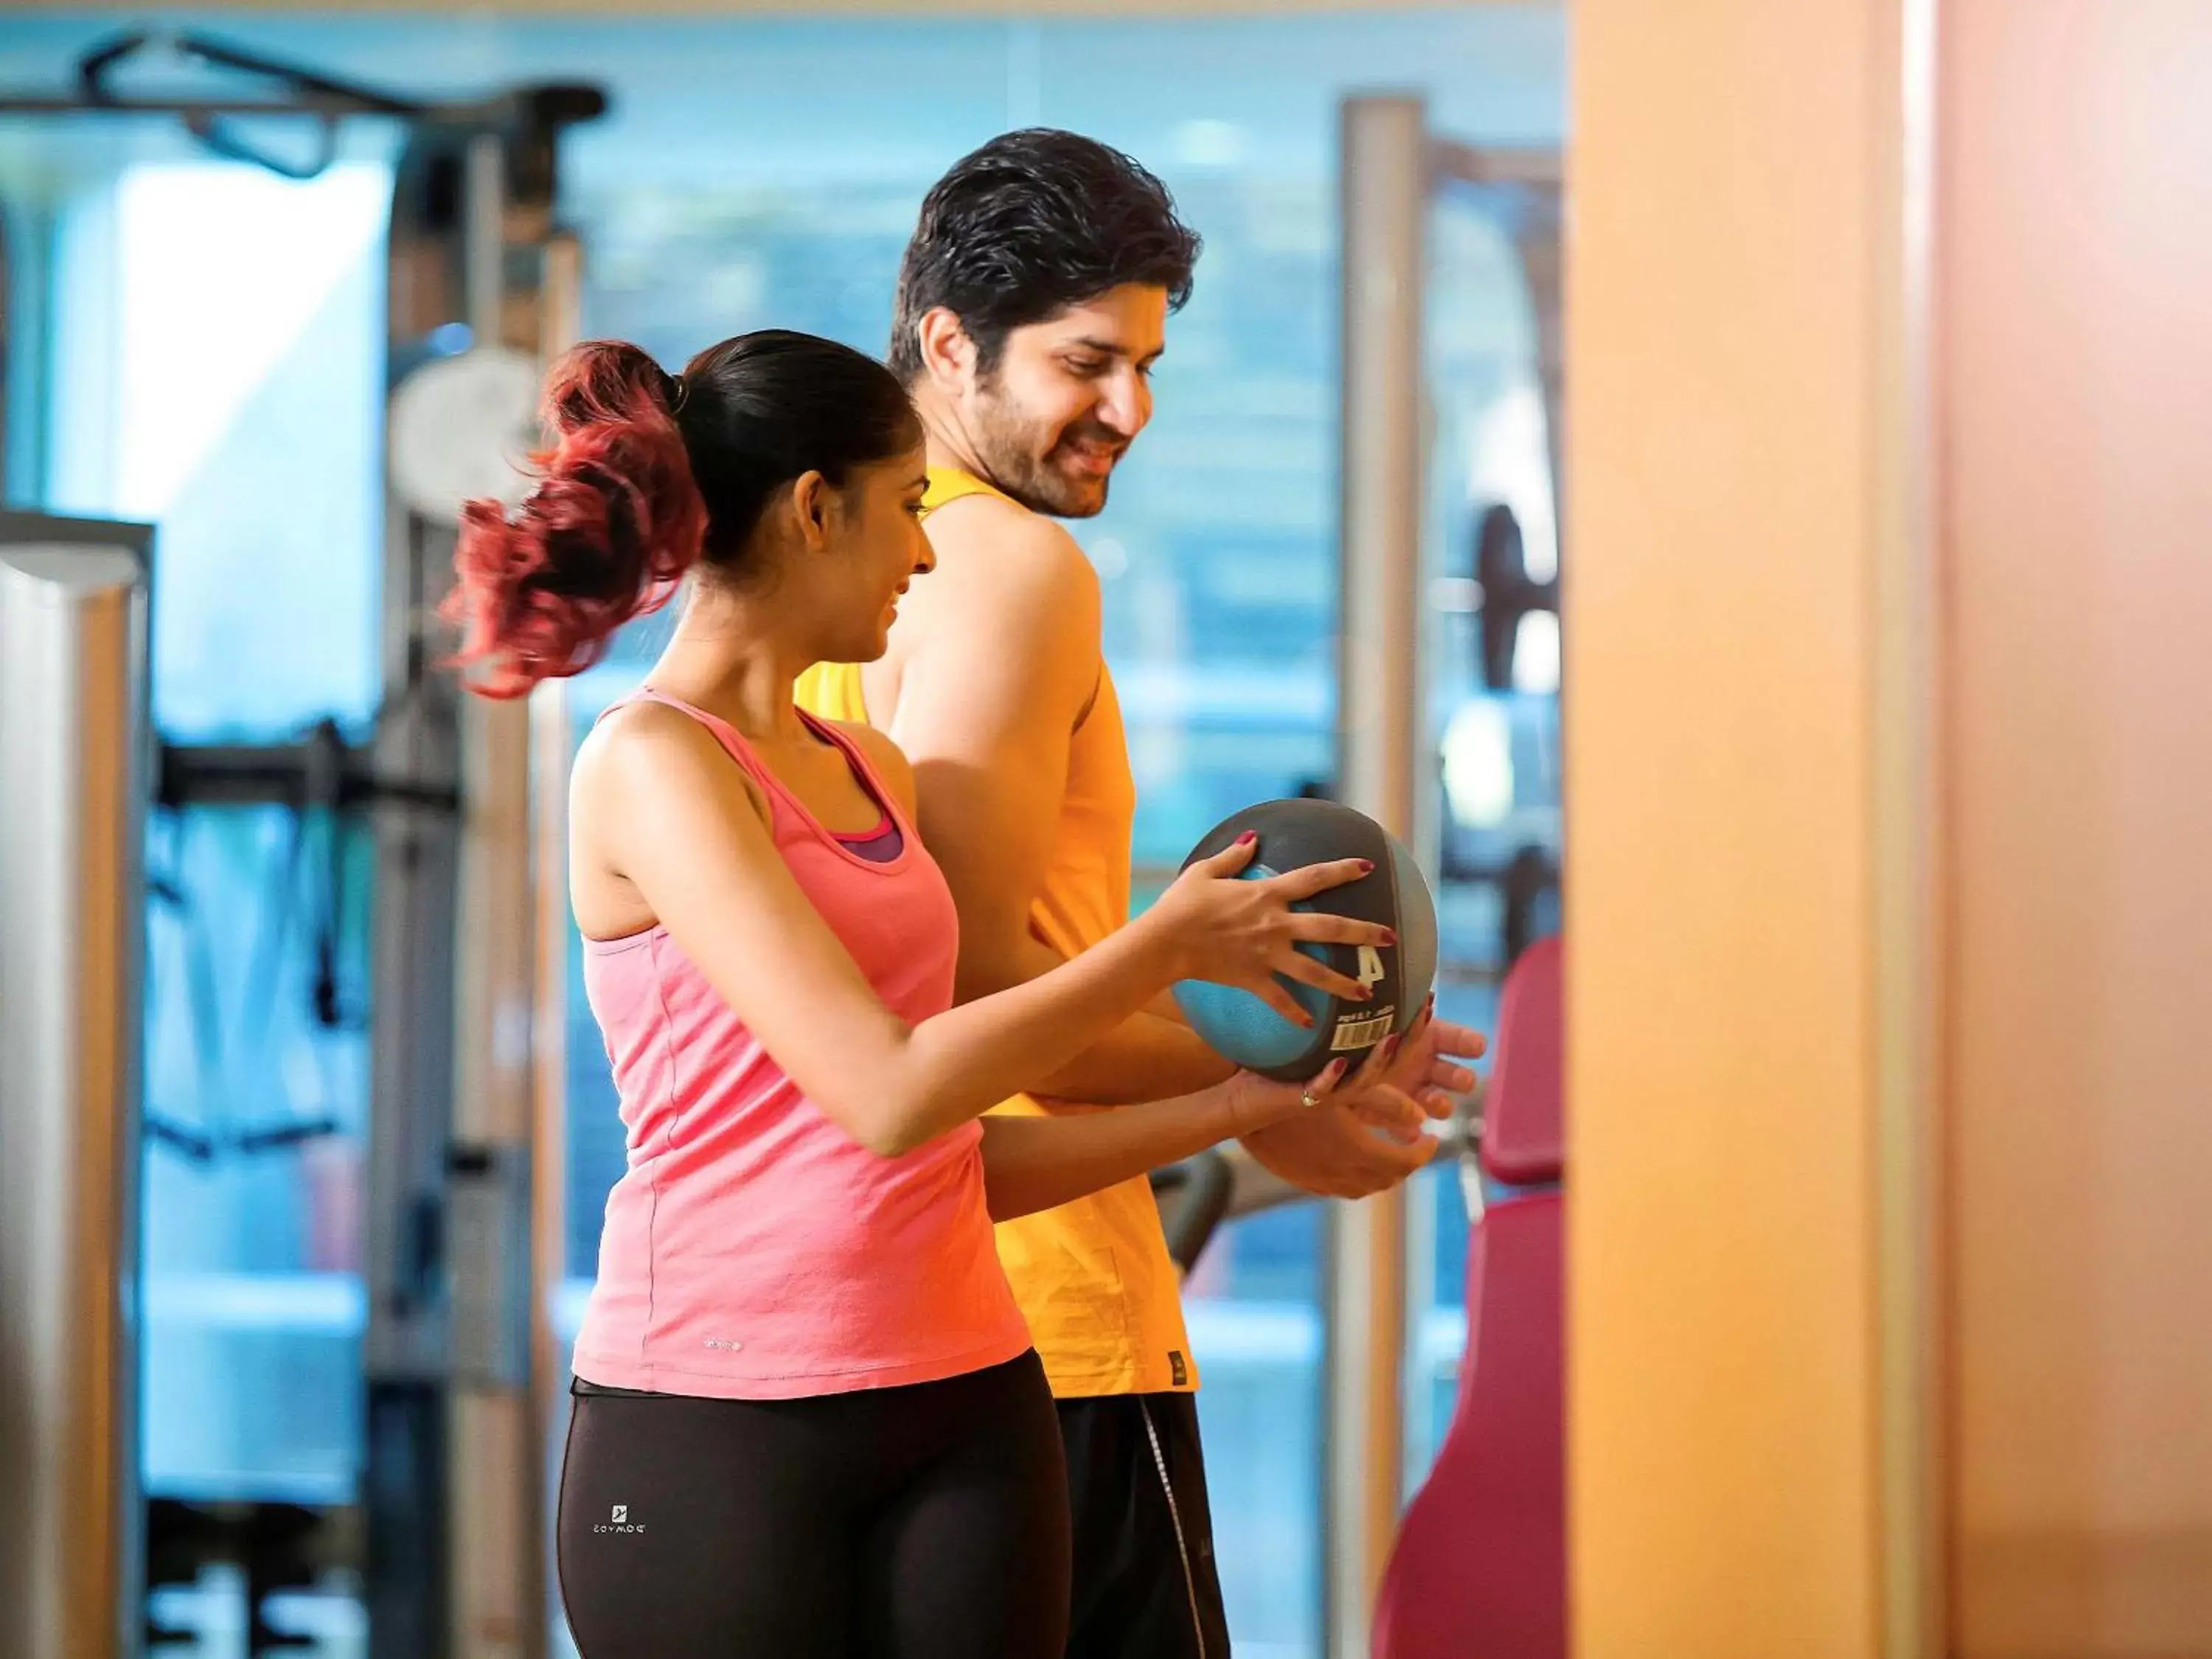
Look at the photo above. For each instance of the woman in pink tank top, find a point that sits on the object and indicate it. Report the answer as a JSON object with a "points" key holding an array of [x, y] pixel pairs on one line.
{"points": [[808, 1420]]}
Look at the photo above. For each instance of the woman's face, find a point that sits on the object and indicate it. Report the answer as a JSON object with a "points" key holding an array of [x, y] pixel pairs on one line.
{"points": [[876, 549]]}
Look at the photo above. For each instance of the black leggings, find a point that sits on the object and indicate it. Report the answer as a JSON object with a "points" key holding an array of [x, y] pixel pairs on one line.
{"points": [[922, 1522]]}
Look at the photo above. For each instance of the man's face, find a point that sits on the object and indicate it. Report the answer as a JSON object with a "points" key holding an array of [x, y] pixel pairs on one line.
{"points": [[1066, 397]]}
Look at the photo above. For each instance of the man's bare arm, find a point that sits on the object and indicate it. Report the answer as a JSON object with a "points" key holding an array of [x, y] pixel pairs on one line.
{"points": [[1148, 1057], [999, 659]]}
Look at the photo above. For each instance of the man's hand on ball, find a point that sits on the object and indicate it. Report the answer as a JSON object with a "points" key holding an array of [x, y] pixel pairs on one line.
{"points": [[1428, 1064], [1410, 1080], [1332, 1153]]}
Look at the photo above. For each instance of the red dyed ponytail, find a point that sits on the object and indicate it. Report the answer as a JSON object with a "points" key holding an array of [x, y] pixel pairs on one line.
{"points": [[614, 523]]}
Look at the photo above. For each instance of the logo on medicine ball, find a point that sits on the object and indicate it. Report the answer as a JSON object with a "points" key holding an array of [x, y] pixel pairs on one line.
{"points": [[622, 1522]]}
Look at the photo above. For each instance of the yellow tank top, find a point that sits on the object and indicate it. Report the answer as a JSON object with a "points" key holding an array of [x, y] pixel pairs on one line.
{"points": [[1094, 1277]]}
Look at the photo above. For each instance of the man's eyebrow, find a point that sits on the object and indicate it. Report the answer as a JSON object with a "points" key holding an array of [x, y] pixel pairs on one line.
{"points": [[1109, 349]]}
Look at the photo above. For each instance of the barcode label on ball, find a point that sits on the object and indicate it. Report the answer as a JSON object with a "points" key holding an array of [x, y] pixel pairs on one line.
{"points": [[1363, 1033]]}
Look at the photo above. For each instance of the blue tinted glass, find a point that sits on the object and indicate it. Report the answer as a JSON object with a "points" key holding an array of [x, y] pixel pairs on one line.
{"points": [[1217, 554], [207, 355], [1496, 775], [256, 1082], [222, 331], [768, 172]]}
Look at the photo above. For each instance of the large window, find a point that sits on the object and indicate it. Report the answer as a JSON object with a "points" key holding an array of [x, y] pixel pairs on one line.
{"points": [[1217, 561], [212, 341], [212, 363], [1496, 782]]}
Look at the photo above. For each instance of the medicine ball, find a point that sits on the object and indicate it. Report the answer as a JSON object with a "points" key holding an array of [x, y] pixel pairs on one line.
{"points": [[1293, 834]]}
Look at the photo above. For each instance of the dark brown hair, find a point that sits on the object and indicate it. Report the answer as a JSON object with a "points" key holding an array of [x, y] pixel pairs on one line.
{"points": [[651, 475], [1033, 223]]}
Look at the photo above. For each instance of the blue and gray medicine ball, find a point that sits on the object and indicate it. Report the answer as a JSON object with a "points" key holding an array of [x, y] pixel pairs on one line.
{"points": [[1292, 834]]}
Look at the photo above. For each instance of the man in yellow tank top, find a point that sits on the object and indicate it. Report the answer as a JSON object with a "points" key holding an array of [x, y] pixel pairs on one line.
{"points": [[1032, 304]]}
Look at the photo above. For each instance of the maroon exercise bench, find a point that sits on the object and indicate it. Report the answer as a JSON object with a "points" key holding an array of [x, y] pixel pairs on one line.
{"points": [[1480, 1571]]}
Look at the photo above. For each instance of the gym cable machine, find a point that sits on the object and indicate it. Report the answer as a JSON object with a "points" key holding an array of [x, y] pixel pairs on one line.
{"points": [[448, 1531]]}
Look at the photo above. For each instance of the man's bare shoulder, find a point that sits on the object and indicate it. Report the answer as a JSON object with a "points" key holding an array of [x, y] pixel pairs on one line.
{"points": [[1011, 612], [988, 542]]}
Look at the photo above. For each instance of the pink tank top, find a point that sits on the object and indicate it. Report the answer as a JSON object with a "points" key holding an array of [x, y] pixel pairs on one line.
{"points": [[751, 1250]]}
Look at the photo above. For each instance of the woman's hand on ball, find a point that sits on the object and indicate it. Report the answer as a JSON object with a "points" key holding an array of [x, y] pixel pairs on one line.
{"points": [[1368, 1092], [1256, 1101], [1244, 933], [1400, 1086], [1376, 1092]]}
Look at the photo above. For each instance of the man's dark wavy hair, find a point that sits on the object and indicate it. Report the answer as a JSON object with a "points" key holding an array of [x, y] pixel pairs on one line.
{"points": [[1031, 223]]}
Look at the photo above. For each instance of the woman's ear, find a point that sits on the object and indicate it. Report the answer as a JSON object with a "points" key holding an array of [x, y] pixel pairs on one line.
{"points": [[812, 502]]}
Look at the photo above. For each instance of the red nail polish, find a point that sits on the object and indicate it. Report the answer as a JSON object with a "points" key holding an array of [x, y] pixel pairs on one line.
{"points": [[1248, 838], [1389, 936], [1367, 866]]}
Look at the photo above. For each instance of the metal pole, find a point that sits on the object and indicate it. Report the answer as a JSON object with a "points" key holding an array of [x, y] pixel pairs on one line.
{"points": [[1539, 168], [404, 1499], [1537, 239], [1538, 179], [457, 1563], [550, 746], [1384, 205], [484, 237], [496, 1524], [73, 766]]}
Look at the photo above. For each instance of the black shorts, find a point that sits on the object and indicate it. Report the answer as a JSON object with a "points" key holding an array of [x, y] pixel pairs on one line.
{"points": [[928, 1521], [1146, 1586]]}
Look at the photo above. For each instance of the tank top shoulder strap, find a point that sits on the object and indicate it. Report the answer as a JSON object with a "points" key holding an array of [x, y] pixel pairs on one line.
{"points": [[952, 483], [863, 764], [731, 741]]}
